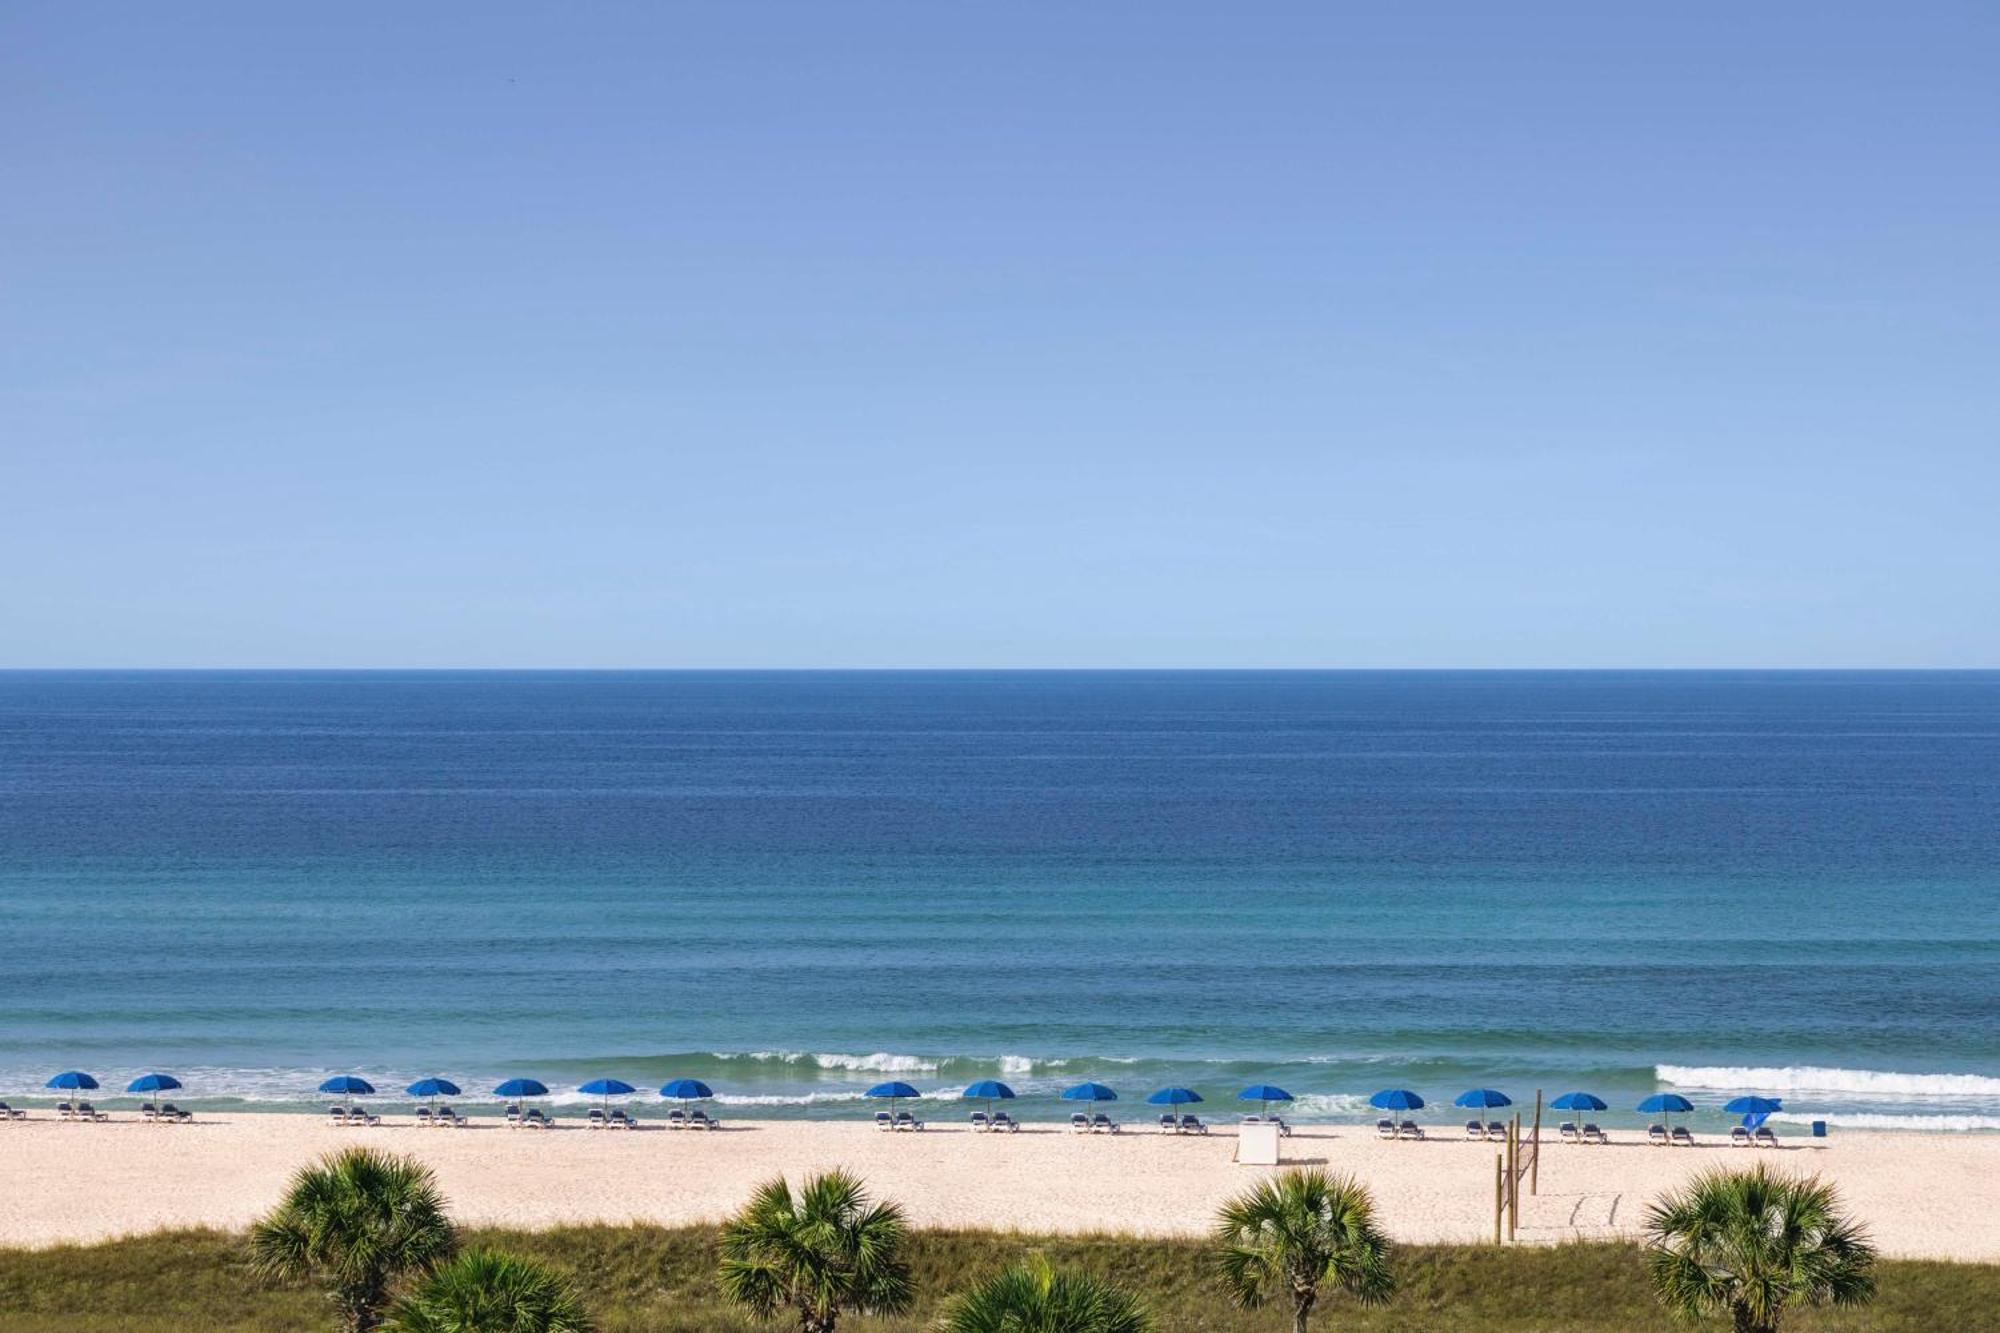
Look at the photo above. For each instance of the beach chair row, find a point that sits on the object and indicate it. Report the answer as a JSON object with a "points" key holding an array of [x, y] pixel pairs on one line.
{"points": [[85, 1113]]}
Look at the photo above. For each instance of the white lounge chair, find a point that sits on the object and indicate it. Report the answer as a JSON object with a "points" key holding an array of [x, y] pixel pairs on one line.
{"points": [[536, 1118], [1191, 1124], [619, 1120], [9, 1113], [1103, 1124], [1739, 1136], [908, 1120], [1567, 1132], [1657, 1134], [1766, 1137], [700, 1119], [1475, 1129], [1001, 1120], [1409, 1129], [1170, 1124], [595, 1118], [980, 1124], [1385, 1129], [677, 1119], [1592, 1134], [1079, 1122], [883, 1120], [1681, 1137]]}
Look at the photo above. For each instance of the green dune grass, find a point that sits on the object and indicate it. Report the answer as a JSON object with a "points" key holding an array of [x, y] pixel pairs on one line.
{"points": [[662, 1281]]}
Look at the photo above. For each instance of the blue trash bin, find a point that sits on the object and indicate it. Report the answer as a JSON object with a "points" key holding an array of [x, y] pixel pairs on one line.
{"points": [[1819, 1129]]}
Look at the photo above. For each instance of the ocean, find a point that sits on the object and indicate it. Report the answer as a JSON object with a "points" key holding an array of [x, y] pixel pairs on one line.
{"points": [[793, 885]]}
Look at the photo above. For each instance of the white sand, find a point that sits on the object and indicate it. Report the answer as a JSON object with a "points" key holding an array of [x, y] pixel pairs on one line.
{"points": [[1932, 1195]]}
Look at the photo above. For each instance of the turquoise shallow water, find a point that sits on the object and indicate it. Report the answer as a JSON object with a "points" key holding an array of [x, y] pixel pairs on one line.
{"points": [[792, 885]]}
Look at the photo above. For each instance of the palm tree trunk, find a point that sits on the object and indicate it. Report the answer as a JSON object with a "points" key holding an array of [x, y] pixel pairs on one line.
{"points": [[1302, 1308], [1745, 1321]]}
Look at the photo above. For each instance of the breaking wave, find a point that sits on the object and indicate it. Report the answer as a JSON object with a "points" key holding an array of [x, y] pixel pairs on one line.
{"points": [[1807, 1078], [1946, 1124]]}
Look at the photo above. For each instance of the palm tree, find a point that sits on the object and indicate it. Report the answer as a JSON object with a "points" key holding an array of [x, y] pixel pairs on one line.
{"points": [[484, 1291], [821, 1252], [354, 1222], [1034, 1298], [1753, 1244], [1298, 1232]]}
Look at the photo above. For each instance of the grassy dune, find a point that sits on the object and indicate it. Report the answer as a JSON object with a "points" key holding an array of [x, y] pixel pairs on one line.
{"points": [[661, 1281]]}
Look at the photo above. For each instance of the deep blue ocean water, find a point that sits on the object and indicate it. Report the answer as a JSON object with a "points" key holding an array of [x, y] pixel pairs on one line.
{"points": [[792, 885]]}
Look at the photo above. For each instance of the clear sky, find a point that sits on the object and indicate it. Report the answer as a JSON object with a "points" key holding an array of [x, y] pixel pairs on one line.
{"points": [[922, 334]]}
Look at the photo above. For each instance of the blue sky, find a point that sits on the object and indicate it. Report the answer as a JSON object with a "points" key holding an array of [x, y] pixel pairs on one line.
{"points": [[940, 335]]}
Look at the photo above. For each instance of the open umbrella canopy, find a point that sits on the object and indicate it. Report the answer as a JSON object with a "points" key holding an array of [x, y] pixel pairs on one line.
{"points": [[432, 1087], [521, 1087], [1089, 1092], [1263, 1092], [1578, 1101], [153, 1083], [893, 1089], [988, 1089], [687, 1089], [347, 1085], [1174, 1097], [1665, 1101], [607, 1087], [1754, 1106], [1482, 1098], [72, 1080], [1396, 1099]]}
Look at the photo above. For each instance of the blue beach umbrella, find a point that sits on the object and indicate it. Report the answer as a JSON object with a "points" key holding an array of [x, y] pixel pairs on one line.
{"points": [[521, 1087], [153, 1083], [988, 1090], [1754, 1106], [1754, 1110], [1089, 1092], [72, 1080], [347, 1085], [1263, 1094], [432, 1088], [687, 1089], [1482, 1099], [1174, 1097], [1396, 1099], [893, 1089], [607, 1088], [1666, 1104], [1578, 1101]]}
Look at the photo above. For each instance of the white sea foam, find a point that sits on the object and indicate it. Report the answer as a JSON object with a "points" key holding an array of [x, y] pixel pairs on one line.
{"points": [[881, 1062], [1806, 1078], [1324, 1103], [779, 1099], [1948, 1124]]}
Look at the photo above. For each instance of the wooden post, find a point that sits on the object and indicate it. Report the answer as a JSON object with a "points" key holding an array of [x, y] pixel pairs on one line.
{"points": [[1499, 1192], [1513, 1177], [1535, 1160]]}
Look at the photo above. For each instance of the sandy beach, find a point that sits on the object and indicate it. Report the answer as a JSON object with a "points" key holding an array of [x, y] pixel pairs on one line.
{"points": [[1921, 1195]]}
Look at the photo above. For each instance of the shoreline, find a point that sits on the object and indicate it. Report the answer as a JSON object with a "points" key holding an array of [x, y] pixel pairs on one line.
{"points": [[1922, 1195]]}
